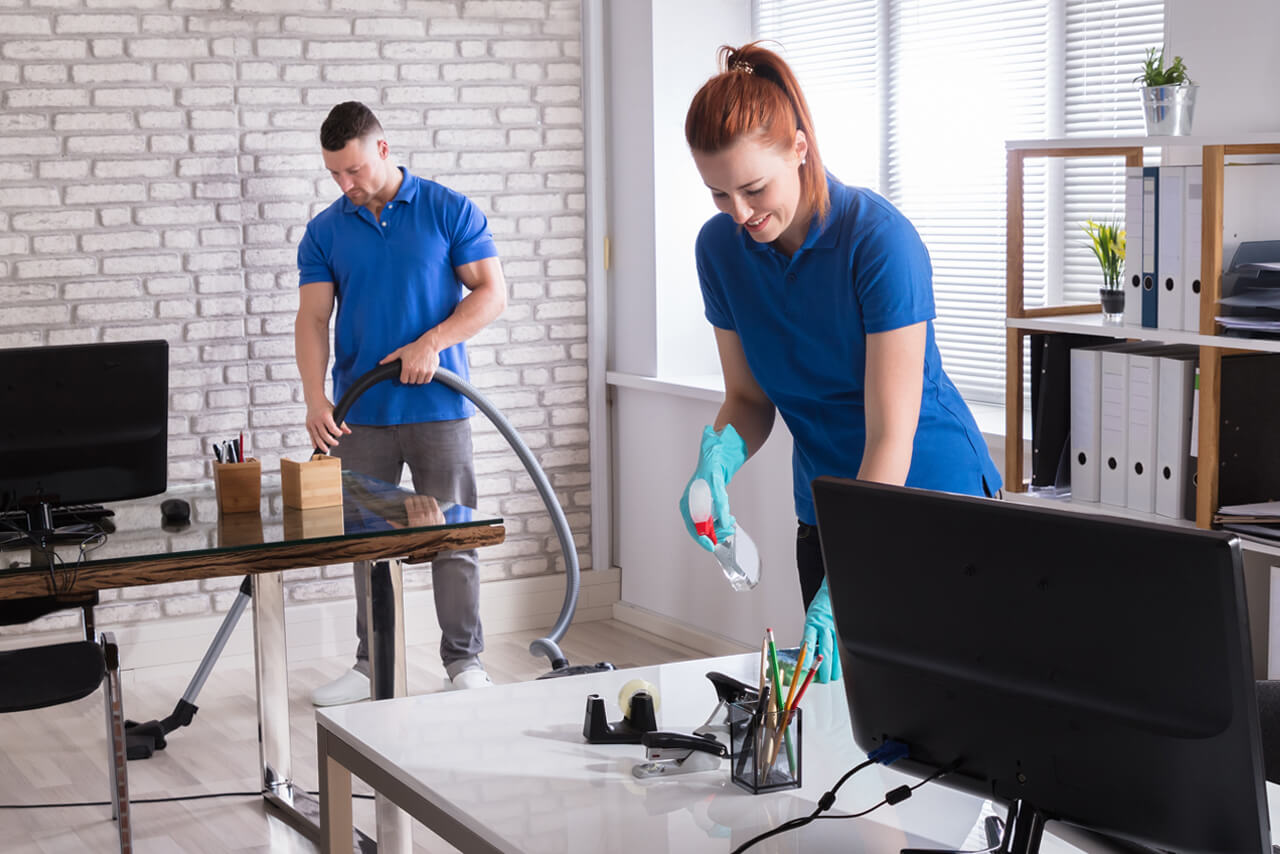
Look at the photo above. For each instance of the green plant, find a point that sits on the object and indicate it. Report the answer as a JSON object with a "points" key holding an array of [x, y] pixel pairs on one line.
{"points": [[1154, 72], [1108, 247]]}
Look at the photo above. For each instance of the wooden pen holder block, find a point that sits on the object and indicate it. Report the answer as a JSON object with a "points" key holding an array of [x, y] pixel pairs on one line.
{"points": [[238, 486], [314, 483]]}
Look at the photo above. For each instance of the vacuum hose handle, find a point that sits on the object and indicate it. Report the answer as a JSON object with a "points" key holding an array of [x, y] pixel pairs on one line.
{"points": [[390, 370]]}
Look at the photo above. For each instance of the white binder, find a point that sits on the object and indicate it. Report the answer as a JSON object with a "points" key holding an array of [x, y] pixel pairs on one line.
{"points": [[1193, 199], [1144, 392], [1132, 281], [1173, 442], [1086, 380], [1170, 299], [1113, 425]]}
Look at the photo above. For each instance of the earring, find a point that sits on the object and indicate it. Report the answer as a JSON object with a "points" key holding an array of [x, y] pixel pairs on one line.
{"points": [[802, 161]]}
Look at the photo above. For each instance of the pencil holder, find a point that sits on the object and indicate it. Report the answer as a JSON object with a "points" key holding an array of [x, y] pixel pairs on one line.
{"points": [[238, 486], [313, 524], [764, 755], [314, 483]]}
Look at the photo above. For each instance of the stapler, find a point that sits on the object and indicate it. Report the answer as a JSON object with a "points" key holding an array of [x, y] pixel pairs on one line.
{"points": [[728, 690], [677, 753]]}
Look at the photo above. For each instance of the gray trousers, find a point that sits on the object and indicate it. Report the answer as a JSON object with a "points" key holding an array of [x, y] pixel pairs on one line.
{"points": [[438, 454]]}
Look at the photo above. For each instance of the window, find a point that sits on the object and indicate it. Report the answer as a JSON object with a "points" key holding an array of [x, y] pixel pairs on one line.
{"points": [[915, 99]]}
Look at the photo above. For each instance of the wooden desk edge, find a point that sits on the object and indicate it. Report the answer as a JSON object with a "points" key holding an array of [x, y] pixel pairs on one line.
{"points": [[272, 557]]}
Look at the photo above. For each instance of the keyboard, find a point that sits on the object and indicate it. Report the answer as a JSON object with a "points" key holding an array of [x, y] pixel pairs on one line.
{"points": [[63, 514]]}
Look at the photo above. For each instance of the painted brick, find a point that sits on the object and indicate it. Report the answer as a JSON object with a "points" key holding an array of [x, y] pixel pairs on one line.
{"points": [[392, 27], [321, 50], [35, 315], [502, 9], [88, 194], [17, 170], [137, 97], [25, 25], [28, 197], [19, 122], [23, 98], [171, 48], [155, 24], [44, 49], [44, 74], [94, 24], [419, 50]]}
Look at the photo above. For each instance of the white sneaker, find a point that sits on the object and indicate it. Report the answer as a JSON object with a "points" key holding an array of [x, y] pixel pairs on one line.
{"points": [[350, 687], [474, 677]]}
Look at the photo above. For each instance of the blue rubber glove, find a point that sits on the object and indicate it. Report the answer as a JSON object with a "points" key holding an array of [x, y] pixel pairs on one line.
{"points": [[820, 635], [719, 459]]}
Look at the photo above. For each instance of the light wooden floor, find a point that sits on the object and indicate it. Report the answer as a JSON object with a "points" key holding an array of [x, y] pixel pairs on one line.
{"points": [[59, 754]]}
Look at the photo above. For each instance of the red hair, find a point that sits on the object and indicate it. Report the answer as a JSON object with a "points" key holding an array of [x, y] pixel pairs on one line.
{"points": [[756, 94]]}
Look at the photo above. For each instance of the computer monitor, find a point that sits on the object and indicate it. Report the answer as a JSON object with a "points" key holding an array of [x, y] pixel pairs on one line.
{"points": [[83, 423], [1077, 667]]}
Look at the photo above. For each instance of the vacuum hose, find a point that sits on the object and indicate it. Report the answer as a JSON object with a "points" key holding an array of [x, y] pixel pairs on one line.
{"points": [[547, 646]]}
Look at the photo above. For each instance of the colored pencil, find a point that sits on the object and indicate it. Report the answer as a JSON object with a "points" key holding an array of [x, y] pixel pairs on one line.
{"points": [[795, 674]]}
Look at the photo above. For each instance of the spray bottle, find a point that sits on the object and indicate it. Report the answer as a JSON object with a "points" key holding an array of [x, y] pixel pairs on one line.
{"points": [[737, 553]]}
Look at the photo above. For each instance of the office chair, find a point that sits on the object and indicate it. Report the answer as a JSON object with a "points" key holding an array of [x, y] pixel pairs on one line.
{"points": [[41, 676]]}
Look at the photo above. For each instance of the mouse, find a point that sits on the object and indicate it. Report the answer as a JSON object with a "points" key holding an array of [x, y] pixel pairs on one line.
{"points": [[175, 511]]}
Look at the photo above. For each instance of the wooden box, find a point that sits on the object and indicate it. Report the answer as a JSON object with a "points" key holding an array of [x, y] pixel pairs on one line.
{"points": [[238, 486], [314, 483]]}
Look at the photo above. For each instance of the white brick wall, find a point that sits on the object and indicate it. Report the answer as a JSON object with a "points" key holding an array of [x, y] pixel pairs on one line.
{"points": [[158, 161]]}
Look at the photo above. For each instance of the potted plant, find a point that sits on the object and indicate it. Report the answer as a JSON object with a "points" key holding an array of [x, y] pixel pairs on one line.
{"points": [[1107, 239], [1168, 95]]}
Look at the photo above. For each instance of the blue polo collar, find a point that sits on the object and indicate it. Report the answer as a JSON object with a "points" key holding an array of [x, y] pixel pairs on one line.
{"points": [[408, 190], [821, 235]]}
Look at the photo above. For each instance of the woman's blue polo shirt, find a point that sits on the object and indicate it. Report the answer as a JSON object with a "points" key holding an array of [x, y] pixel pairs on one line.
{"points": [[804, 321], [394, 279]]}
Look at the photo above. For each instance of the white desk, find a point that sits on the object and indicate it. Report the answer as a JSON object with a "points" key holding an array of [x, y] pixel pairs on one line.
{"points": [[507, 770]]}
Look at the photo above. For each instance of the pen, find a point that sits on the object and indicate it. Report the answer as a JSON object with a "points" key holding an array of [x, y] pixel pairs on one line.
{"points": [[240, 447], [217, 452], [235, 451]]}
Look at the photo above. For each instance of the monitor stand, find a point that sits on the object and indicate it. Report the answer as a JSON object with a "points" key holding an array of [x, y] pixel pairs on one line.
{"points": [[1020, 835]]}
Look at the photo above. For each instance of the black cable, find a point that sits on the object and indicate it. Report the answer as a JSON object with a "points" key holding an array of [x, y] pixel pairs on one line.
{"points": [[171, 799], [824, 804], [896, 796]]}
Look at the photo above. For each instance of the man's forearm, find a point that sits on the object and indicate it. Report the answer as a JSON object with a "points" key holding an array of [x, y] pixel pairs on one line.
{"points": [[311, 349], [477, 310]]}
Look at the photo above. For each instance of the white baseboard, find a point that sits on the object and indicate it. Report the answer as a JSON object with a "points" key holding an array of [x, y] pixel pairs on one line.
{"points": [[316, 630], [676, 631]]}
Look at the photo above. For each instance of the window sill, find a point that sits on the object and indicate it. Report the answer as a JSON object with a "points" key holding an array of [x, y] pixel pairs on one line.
{"points": [[710, 387]]}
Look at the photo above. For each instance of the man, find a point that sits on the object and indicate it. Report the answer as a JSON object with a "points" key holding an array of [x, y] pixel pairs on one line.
{"points": [[415, 273]]}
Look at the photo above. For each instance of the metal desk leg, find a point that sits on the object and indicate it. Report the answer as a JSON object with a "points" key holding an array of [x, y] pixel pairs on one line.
{"points": [[298, 808], [385, 619]]}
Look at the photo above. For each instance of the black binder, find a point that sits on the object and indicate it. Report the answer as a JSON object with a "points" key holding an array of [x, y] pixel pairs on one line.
{"points": [[1249, 430]]}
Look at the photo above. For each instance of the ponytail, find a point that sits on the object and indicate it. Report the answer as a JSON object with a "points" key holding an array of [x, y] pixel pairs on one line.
{"points": [[756, 94]]}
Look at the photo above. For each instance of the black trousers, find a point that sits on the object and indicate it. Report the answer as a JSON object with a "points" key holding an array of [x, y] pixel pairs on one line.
{"points": [[809, 562]]}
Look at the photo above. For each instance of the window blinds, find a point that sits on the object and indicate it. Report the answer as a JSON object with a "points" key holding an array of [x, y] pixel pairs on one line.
{"points": [[915, 99]]}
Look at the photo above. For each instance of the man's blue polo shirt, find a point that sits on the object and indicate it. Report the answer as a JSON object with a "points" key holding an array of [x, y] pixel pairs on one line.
{"points": [[394, 280], [804, 321]]}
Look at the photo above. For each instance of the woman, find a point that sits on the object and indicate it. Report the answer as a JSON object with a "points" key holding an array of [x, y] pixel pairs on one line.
{"points": [[821, 296]]}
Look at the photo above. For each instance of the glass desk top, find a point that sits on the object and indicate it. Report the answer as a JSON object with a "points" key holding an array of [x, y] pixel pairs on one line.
{"points": [[137, 532]]}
